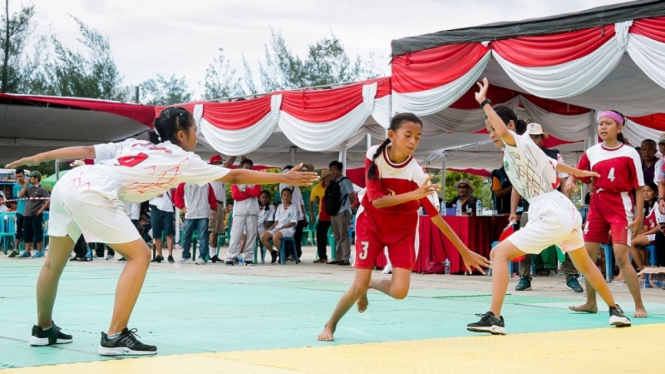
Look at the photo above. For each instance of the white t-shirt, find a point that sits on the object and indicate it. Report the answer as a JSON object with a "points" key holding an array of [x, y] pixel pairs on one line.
{"points": [[133, 211], [284, 216], [529, 169], [164, 202], [296, 198], [144, 170]]}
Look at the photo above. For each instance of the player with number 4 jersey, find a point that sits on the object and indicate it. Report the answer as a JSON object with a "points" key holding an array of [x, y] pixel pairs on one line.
{"points": [[616, 204], [388, 217]]}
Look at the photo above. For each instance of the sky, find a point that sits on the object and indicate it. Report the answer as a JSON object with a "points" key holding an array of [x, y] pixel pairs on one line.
{"points": [[167, 37]]}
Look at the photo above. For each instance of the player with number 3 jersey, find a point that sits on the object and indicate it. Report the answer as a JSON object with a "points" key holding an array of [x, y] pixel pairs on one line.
{"points": [[616, 204], [388, 217], [90, 199]]}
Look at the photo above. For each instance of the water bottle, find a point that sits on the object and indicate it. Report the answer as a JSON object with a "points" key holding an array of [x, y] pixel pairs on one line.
{"points": [[458, 207], [479, 208], [442, 208], [446, 267], [241, 261]]}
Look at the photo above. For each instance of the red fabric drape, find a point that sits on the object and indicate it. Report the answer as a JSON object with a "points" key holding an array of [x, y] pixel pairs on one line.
{"points": [[431, 68], [653, 28], [238, 114], [554, 49], [654, 121]]}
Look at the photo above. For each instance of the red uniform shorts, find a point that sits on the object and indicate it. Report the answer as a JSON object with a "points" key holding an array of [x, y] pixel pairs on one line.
{"points": [[398, 232], [609, 212]]}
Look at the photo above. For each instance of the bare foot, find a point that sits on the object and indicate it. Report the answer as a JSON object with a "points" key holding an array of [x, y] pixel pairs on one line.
{"points": [[619, 278], [585, 308], [640, 313], [327, 334], [362, 303]]}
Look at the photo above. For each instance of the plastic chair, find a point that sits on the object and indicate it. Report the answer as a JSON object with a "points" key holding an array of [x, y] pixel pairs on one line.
{"points": [[583, 212], [259, 246], [7, 230], [609, 269], [282, 250], [310, 230], [652, 254], [221, 239], [45, 216], [195, 240]]}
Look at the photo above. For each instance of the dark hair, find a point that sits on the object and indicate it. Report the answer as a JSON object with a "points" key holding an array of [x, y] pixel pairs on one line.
{"points": [[506, 114], [654, 187], [287, 167], [337, 164], [246, 161], [395, 123], [269, 196], [649, 141], [286, 189], [20, 171], [170, 121]]}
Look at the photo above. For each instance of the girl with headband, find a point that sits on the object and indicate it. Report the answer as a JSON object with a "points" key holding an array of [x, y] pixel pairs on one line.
{"points": [[616, 204]]}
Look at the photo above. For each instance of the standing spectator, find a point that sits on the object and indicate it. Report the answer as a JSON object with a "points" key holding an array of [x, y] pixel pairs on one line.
{"points": [[20, 207], [245, 219], [464, 195], [501, 191], [299, 204], [197, 202], [649, 159], [162, 218], [339, 193], [32, 213], [323, 223], [217, 223]]}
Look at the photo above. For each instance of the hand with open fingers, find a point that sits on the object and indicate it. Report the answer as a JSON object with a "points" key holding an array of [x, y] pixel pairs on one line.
{"points": [[426, 189], [636, 226], [481, 95], [473, 260], [512, 217], [570, 186], [587, 173], [297, 178], [25, 161]]}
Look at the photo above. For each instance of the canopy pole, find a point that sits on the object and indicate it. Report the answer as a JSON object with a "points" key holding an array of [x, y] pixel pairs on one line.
{"points": [[443, 177], [292, 151], [342, 157], [57, 170], [369, 140]]}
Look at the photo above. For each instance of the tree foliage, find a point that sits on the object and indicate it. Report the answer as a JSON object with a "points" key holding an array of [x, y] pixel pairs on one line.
{"points": [[16, 29], [160, 91], [482, 188], [221, 79]]}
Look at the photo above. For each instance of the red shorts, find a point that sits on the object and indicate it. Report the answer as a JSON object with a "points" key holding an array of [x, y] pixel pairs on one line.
{"points": [[609, 212], [398, 232]]}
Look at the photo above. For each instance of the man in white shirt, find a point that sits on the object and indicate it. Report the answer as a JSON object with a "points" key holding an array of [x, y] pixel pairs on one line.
{"points": [[299, 203], [216, 225]]}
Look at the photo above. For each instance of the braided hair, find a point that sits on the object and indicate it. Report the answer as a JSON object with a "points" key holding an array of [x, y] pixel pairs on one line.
{"points": [[395, 123], [170, 121]]}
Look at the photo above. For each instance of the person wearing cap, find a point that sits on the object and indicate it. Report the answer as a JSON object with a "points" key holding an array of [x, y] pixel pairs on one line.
{"points": [[20, 207], [464, 191], [217, 223], [538, 136], [323, 221], [649, 159], [38, 201]]}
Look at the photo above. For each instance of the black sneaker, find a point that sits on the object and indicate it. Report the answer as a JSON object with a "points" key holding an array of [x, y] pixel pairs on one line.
{"points": [[158, 259], [573, 283], [215, 259], [617, 318], [13, 254], [273, 254], [171, 260], [229, 263], [488, 323], [124, 344], [524, 284], [122, 259], [249, 263], [50, 336]]}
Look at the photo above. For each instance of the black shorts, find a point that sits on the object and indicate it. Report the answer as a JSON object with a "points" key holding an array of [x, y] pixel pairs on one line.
{"points": [[33, 231]]}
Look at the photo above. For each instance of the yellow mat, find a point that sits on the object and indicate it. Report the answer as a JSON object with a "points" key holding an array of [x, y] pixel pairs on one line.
{"points": [[607, 350]]}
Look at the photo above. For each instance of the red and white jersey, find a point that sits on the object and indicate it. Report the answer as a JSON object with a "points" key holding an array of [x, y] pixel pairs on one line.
{"points": [[529, 169], [620, 168], [143, 170], [652, 219], [395, 179]]}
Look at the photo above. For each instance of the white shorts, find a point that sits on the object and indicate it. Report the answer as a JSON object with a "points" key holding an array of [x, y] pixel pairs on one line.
{"points": [[651, 238], [286, 233], [553, 219], [85, 200]]}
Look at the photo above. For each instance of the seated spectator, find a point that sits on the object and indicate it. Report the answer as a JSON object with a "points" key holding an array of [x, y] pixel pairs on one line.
{"points": [[464, 191], [286, 219]]}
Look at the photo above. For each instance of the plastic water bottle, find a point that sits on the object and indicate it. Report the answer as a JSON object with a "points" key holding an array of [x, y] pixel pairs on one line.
{"points": [[458, 208], [442, 208], [446, 267], [241, 261], [479, 208]]}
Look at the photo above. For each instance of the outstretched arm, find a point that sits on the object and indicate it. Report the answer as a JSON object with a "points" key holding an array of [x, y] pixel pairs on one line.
{"points": [[499, 127], [293, 177], [67, 153], [389, 200], [574, 172]]}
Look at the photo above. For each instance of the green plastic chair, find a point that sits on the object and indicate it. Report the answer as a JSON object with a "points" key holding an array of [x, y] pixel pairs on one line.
{"points": [[331, 241], [310, 230], [7, 230], [221, 239]]}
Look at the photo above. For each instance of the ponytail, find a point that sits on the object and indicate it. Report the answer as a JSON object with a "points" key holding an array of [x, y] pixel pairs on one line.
{"points": [[371, 172], [621, 138], [154, 137], [520, 127], [170, 121]]}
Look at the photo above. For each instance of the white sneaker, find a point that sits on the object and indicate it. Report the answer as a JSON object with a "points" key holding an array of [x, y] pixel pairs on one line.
{"points": [[184, 260], [109, 257], [200, 261], [388, 269]]}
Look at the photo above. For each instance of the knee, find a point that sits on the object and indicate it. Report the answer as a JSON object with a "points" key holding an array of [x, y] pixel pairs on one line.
{"points": [[358, 290], [621, 257], [400, 293]]}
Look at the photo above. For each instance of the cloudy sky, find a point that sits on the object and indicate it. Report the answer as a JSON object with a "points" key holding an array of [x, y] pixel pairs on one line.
{"points": [[150, 37]]}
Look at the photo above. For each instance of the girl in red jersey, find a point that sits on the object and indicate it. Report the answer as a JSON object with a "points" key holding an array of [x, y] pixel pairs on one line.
{"points": [[613, 207], [89, 200], [388, 217]]}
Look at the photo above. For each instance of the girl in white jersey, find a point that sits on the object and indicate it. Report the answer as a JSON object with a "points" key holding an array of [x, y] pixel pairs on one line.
{"points": [[89, 200], [553, 219]]}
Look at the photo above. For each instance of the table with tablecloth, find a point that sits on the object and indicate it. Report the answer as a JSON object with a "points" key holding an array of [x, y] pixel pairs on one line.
{"points": [[477, 233]]}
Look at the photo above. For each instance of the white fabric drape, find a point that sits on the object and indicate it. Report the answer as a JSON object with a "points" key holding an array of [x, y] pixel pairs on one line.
{"points": [[436, 99], [564, 127], [574, 77], [322, 136], [458, 120], [649, 55], [382, 112], [636, 133], [243, 141]]}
